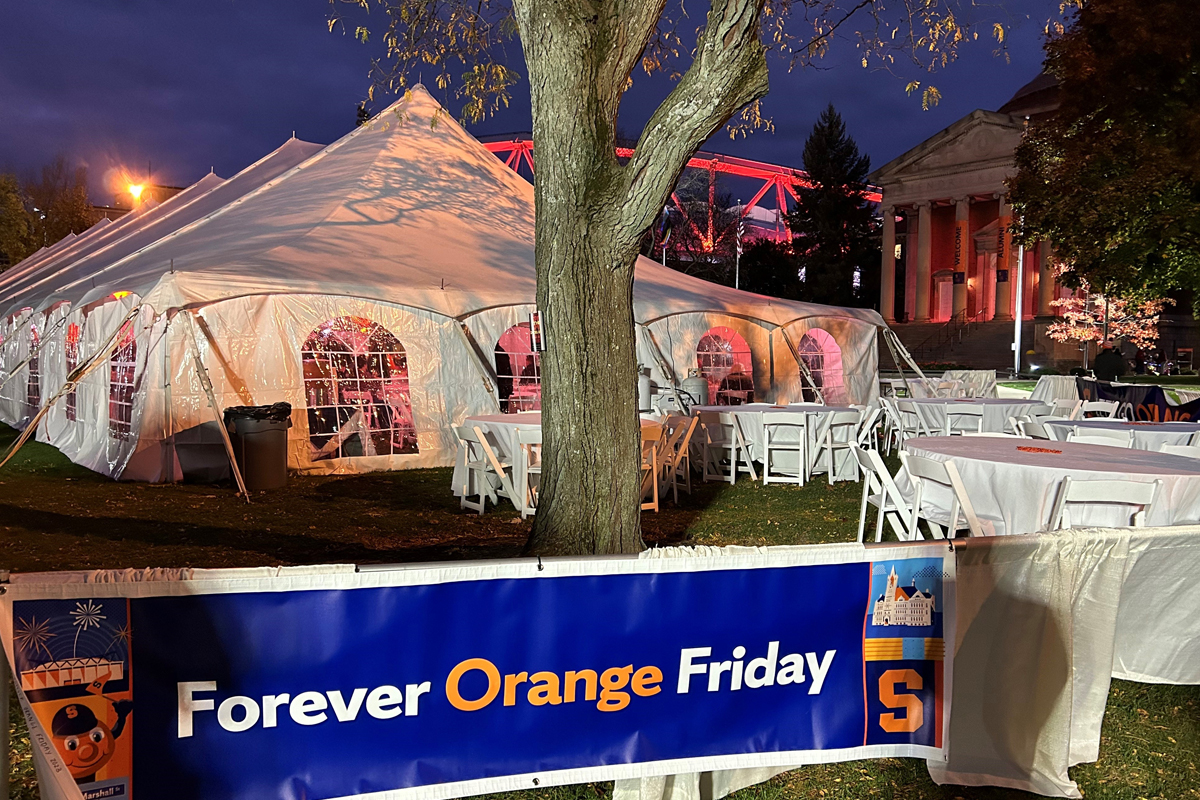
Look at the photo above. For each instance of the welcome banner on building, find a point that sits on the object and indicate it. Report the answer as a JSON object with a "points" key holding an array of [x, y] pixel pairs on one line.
{"points": [[461, 679]]}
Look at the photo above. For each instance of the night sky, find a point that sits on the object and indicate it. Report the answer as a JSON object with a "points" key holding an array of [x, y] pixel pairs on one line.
{"points": [[185, 86]]}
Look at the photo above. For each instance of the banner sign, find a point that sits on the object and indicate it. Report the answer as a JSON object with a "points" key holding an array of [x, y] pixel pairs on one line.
{"points": [[462, 679], [1140, 402]]}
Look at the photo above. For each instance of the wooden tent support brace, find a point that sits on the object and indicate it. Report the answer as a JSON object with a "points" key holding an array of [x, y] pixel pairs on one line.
{"points": [[206, 384], [803, 367]]}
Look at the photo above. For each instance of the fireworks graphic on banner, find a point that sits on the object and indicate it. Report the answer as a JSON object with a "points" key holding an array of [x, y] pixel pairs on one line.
{"points": [[85, 616], [32, 635]]}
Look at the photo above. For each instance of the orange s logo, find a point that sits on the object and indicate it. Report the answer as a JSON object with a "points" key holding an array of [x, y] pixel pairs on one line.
{"points": [[914, 710]]}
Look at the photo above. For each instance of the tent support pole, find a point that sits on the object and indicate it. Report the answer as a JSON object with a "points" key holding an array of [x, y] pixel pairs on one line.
{"points": [[663, 366], [168, 409], [894, 344], [490, 381], [803, 367], [234, 379], [4, 765], [202, 373]]}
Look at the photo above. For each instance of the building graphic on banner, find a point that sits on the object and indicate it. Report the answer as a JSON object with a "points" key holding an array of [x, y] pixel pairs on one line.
{"points": [[72, 664], [902, 605]]}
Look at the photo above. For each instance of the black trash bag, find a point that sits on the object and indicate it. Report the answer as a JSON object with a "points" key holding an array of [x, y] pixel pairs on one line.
{"points": [[277, 412]]}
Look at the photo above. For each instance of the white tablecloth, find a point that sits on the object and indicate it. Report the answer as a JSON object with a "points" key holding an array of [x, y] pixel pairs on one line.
{"points": [[1146, 435], [752, 416], [1013, 490], [996, 411], [1056, 387]]}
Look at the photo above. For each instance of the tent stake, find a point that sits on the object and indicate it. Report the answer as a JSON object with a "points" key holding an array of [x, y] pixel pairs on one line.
{"points": [[206, 384]]}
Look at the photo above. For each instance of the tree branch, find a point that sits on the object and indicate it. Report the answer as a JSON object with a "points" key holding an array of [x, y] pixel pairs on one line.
{"points": [[729, 71]]}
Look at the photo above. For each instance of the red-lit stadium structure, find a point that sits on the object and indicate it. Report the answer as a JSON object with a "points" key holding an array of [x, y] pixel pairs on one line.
{"points": [[518, 150]]}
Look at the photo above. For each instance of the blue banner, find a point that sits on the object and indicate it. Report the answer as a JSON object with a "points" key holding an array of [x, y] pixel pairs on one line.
{"points": [[509, 677]]}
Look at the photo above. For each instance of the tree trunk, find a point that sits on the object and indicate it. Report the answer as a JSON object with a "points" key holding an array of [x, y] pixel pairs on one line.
{"points": [[591, 214], [589, 499]]}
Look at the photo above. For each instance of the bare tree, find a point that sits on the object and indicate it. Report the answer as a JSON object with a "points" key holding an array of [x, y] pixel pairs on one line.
{"points": [[592, 210]]}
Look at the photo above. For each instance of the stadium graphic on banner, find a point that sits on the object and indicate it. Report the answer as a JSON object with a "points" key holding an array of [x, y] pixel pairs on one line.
{"points": [[72, 661]]}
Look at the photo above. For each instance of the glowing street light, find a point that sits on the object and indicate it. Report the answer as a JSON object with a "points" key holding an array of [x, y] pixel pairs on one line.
{"points": [[135, 191]]}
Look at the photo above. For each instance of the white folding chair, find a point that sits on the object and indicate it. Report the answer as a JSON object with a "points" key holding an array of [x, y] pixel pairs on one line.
{"points": [[893, 428], [1186, 450], [869, 429], [961, 514], [784, 432], [880, 490], [911, 422], [1014, 426], [651, 436], [500, 469], [1099, 408], [961, 417], [676, 461], [1068, 409], [1100, 436], [835, 432], [1032, 428], [527, 465], [475, 481], [1129, 493]]}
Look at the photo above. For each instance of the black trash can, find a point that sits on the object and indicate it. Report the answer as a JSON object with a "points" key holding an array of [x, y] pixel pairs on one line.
{"points": [[259, 435]]}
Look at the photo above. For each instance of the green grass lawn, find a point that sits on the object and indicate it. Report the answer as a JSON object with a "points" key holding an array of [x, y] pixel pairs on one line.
{"points": [[57, 516]]}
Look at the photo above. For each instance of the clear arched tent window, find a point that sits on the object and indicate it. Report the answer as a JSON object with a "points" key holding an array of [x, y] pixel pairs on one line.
{"points": [[356, 389], [724, 360], [71, 356], [518, 371], [121, 368], [33, 386], [821, 354]]}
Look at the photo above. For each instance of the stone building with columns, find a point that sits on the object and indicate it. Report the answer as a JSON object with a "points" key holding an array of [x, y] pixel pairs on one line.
{"points": [[947, 248]]}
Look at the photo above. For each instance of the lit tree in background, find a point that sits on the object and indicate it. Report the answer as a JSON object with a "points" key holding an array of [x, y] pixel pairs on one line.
{"points": [[593, 210], [1092, 317]]}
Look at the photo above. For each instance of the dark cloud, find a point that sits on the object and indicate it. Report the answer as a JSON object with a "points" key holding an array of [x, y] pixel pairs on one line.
{"points": [[185, 86]]}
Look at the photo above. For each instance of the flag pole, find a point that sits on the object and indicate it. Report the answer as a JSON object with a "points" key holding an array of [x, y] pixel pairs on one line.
{"points": [[737, 260]]}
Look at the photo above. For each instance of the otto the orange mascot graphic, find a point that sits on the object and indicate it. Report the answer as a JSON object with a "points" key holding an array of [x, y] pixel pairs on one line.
{"points": [[85, 743]]}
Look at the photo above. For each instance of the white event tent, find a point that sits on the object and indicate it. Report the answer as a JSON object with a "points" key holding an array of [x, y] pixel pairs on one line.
{"points": [[381, 285]]}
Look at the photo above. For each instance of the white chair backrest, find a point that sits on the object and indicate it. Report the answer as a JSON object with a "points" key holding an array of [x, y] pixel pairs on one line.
{"points": [[1100, 436], [1100, 408], [1187, 450], [781, 418], [870, 421], [1103, 493], [529, 435], [880, 480], [1066, 408], [923, 469], [961, 415], [1032, 428], [716, 429]]}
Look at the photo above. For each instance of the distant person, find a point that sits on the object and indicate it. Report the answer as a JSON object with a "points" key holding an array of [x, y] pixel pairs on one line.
{"points": [[1109, 365]]}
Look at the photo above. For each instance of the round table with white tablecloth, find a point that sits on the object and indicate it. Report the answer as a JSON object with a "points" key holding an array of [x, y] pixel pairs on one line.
{"points": [[996, 411], [1012, 483], [1146, 435], [752, 416], [501, 431]]}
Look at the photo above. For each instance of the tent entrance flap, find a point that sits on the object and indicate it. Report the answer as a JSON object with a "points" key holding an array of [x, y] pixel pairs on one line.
{"points": [[33, 353]]}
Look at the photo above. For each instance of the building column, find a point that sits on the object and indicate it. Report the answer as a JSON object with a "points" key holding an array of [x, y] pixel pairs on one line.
{"points": [[962, 254], [924, 256], [1006, 271], [1045, 280], [887, 271]]}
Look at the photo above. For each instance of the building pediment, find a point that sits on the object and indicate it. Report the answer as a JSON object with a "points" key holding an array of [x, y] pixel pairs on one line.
{"points": [[980, 140]]}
